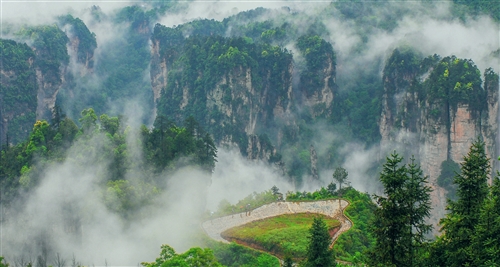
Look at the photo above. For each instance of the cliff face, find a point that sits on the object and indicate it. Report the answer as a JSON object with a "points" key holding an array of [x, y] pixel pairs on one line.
{"points": [[81, 45], [317, 80], [49, 44], [18, 91], [244, 93], [158, 70], [428, 110], [49, 83], [84, 58], [238, 91]]}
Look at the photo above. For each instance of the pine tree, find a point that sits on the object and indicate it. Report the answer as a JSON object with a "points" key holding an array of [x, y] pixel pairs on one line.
{"points": [[318, 252], [389, 224], [399, 224], [418, 208], [486, 240], [460, 222]]}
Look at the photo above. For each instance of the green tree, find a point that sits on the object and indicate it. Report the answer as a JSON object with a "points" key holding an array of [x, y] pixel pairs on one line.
{"points": [[400, 220], [110, 125], [448, 170], [389, 225], [460, 222], [418, 204], [486, 240], [88, 121], [340, 176], [194, 257], [318, 252], [2, 263]]}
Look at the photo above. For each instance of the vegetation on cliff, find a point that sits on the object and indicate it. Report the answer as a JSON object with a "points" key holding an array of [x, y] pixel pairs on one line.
{"points": [[166, 147], [18, 91]]}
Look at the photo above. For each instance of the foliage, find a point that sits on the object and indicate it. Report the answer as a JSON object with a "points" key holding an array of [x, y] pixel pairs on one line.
{"points": [[319, 55], [166, 142], [281, 235], [18, 91], [358, 105], [125, 197], [340, 176], [318, 251], [2, 263], [50, 43], [320, 194], [124, 61], [455, 81], [288, 262], [474, 8], [204, 61], [399, 223], [86, 39], [234, 255], [459, 224], [103, 140], [194, 257], [486, 239], [250, 202], [352, 245], [449, 169]]}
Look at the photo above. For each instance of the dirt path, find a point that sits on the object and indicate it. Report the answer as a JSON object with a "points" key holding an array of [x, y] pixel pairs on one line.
{"points": [[331, 208]]}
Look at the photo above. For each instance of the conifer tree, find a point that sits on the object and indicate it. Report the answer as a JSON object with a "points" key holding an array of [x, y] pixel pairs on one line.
{"points": [[318, 252], [390, 218], [460, 222], [486, 239], [419, 207], [399, 224]]}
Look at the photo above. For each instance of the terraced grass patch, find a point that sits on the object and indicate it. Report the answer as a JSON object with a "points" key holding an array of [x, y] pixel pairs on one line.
{"points": [[280, 235]]}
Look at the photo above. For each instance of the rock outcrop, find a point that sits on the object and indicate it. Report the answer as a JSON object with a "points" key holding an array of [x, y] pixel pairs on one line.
{"points": [[243, 93], [18, 93], [436, 113]]}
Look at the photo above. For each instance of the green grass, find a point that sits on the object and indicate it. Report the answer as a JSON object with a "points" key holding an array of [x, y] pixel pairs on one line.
{"points": [[280, 235]]}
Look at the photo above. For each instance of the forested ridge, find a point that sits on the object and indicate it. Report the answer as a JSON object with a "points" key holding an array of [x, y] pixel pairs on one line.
{"points": [[124, 113]]}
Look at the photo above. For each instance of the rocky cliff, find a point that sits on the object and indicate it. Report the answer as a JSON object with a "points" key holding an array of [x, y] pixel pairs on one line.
{"points": [[436, 108], [18, 91], [317, 80], [246, 94]]}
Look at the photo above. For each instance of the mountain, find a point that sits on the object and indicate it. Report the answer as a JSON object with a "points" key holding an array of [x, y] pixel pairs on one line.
{"points": [[294, 90], [436, 107]]}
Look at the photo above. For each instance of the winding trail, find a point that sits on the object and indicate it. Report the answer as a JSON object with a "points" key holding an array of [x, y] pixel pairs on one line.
{"points": [[331, 208]]}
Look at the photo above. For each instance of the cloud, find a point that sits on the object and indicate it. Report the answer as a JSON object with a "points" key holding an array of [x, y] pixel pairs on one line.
{"points": [[235, 177], [67, 213]]}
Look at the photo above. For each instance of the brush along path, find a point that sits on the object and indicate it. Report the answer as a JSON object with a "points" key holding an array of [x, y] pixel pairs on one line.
{"points": [[331, 208]]}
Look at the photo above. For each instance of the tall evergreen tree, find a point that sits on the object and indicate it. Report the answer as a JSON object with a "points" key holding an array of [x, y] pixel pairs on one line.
{"points": [[486, 239], [418, 209], [460, 222], [318, 252], [390, 218], [399, 225]]}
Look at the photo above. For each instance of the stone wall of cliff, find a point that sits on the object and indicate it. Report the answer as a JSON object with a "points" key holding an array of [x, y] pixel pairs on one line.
{"points": [[427, 109], [18, 91]]}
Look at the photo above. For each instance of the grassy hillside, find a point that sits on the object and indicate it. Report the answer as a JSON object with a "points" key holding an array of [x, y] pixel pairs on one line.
{"points": [[280, 235]]}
